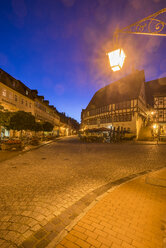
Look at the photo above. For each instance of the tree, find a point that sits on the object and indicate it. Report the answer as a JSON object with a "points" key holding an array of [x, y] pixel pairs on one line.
{"points": [[5, 119], [47, 126], [21, 120], [1, 108], [38, 126]]}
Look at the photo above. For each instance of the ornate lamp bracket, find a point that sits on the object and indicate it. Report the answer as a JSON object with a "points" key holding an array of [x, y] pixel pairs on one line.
{"points": [[151, 25]]}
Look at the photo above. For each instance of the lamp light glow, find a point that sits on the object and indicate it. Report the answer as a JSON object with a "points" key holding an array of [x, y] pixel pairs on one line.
{"points": [[155, 126], [116, 59]]}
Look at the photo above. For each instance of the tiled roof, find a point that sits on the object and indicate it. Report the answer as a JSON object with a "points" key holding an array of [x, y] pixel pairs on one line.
{"points": [[122, 90]]}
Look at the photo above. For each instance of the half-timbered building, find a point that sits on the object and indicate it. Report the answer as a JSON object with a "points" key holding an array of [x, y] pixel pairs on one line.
{"points": [[121, 105], [156, 98]]}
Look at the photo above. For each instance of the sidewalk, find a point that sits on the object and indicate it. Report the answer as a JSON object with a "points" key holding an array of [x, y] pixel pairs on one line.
{"points": [[132, 215], [5, 155]]}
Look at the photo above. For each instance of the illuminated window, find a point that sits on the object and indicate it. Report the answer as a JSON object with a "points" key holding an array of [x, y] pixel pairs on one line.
{"points": [[26, 92], [4, 92]]}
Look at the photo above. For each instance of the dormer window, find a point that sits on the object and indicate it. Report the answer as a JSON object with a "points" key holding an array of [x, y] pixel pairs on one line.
{"points": [[14, 84], [26, 92]]}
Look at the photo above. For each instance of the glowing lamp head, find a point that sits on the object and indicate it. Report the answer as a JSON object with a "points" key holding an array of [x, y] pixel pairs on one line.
{"points": [[116, 59]]}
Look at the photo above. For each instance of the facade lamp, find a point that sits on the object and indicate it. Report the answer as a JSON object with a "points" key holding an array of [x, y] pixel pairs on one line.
{"points": [[155, 126], [151, 25]]}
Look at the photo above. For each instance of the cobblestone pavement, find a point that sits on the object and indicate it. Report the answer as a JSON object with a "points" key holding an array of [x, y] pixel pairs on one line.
{"points": [[129, 216], [7, 154], [4, 155], [56, 182]]}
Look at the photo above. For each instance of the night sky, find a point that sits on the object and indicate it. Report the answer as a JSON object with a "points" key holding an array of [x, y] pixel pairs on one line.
{"points": [[59, 46]]}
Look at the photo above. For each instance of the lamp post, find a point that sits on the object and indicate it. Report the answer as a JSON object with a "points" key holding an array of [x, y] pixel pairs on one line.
{"points": [[151, 25]]}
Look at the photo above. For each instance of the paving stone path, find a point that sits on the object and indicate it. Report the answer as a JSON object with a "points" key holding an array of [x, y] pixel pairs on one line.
{"points": [[43, 190], [128, 216]]}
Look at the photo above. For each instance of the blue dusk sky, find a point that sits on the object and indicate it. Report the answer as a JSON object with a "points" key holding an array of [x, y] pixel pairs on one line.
{"points": [[59, 46]]}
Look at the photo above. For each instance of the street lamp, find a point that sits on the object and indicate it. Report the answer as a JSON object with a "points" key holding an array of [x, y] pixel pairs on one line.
{"points": [[150, 25], [116, 59]]}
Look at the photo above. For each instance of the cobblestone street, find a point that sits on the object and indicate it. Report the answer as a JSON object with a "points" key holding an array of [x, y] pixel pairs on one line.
{"points": [[38, 186]]}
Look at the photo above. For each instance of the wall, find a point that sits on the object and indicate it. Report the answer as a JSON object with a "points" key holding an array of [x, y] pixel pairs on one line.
{"points": [[14, 101]]}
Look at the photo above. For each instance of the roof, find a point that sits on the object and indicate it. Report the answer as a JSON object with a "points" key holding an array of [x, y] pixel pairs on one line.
{"points": [[15, 84], [122, 90], [155, 87]]}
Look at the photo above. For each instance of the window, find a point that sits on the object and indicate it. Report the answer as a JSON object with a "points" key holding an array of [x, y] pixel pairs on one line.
{"points": [[10, 95], [16, 98], [160, 101], [26, 92], [30, 104], [4, 92], [114, 118], [160, 113], [128, 117], [121, 118], [22, 101]]}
